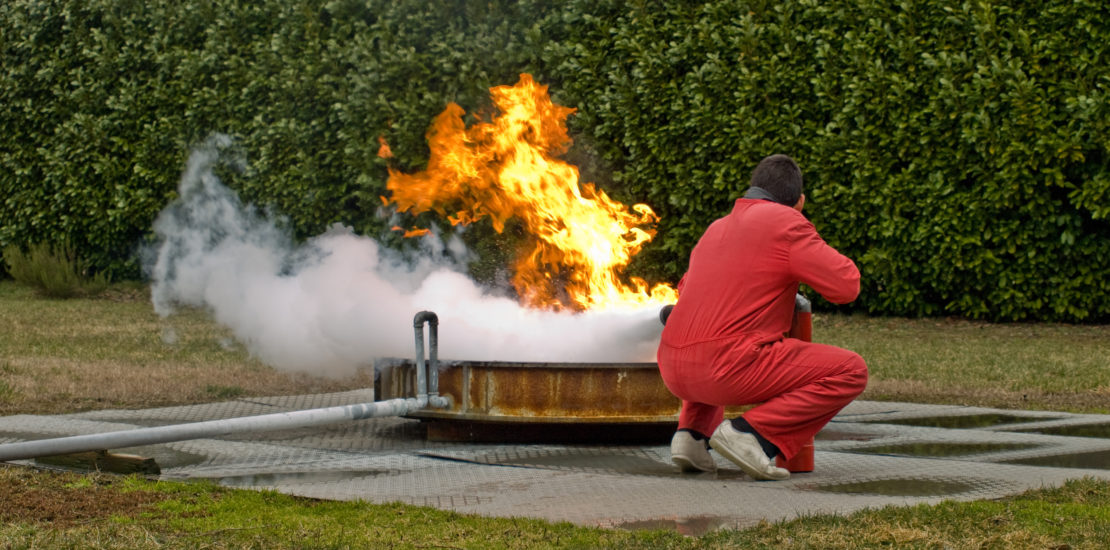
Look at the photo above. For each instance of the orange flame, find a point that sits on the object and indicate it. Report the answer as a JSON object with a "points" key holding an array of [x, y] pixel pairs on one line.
{"points": [[383, 148], [507, 168], [417, 232]]}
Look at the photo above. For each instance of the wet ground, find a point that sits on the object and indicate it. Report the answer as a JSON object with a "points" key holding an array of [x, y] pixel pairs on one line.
{"points": [[872, 454]]}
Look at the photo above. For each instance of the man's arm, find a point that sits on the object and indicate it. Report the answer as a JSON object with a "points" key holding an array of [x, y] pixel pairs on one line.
{"points": [[815, 263]]}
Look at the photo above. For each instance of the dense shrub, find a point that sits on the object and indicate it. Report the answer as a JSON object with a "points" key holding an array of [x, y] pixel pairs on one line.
{"points": [[101, 99], [957, 150], [55, 271]]}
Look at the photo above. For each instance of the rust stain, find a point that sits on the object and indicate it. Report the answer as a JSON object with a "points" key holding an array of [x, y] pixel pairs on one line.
{"points": [[547, 392], [575, 391]]}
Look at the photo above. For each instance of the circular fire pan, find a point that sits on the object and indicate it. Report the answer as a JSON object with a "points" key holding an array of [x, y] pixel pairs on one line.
{"points": [[543, 402]]}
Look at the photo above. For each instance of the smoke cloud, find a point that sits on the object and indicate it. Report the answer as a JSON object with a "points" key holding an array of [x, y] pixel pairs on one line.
{"points": [[339, 301]]}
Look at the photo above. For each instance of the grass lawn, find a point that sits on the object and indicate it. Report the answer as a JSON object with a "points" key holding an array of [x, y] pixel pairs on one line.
{"points": [[113, 352], [1015, 366], [65, 510]]}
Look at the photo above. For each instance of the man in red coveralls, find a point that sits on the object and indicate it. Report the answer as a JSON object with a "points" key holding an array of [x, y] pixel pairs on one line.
{"points": [[725, 342]]}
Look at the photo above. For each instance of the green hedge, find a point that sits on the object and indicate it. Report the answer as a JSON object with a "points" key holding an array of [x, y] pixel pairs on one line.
{"points": [[100, 101], [956, 150]]}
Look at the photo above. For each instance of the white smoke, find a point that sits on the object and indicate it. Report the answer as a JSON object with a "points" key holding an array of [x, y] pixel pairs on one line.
{"points": [[339, 300]]}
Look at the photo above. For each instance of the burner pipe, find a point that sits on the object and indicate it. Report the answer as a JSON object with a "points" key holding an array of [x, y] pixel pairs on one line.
{"points": [[427, 377], [250, 424], [208, 429]]}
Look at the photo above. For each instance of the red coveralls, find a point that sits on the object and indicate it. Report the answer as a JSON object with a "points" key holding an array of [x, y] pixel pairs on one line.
{"points": [[725, 341]]}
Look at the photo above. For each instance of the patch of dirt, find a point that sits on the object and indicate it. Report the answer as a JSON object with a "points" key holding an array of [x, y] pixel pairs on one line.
{"points": [[63, 499], [125, 292]]}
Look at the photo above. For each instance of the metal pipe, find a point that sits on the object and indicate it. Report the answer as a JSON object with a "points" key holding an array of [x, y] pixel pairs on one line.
{"points": [[432, 369], [252, 424], [208, 429], [424, 374]]}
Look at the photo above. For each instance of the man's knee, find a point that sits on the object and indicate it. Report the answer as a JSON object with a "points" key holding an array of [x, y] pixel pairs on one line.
{"points": [[855, 372]]}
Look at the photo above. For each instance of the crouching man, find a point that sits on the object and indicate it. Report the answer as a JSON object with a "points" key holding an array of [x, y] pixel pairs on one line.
{"points": [[725, 341]]}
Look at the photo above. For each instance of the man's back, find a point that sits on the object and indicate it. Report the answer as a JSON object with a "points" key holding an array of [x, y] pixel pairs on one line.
{"points": [[744, 273]]}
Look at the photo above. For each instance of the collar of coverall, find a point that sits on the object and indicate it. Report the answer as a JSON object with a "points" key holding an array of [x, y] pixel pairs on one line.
{"points": [[759, 193]]}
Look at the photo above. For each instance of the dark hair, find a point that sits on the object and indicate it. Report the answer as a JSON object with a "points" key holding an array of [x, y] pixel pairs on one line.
{"points": [[780, 176]]}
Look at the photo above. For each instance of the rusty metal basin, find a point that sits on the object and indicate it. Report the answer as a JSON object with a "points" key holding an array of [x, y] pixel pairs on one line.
{"points": [[551, 402]]}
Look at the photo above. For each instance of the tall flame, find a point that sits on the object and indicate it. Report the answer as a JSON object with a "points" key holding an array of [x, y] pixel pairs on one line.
{"points": [[507, 168]]}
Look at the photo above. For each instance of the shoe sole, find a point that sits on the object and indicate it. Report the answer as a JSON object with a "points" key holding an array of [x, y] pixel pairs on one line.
{"points": [[752, 471], [686, 465]]}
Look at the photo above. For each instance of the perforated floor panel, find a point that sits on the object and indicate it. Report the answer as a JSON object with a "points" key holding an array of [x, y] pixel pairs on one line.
{"points": [[873, 454]]}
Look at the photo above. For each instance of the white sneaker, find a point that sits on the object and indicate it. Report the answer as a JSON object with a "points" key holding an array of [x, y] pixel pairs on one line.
{"points": [[690, 454], [744, 450]]}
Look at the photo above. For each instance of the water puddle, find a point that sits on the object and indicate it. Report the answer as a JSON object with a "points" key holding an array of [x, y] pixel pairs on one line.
{"points": [[613, 463], [575, 461], [102, 461], [1081, 430], [1099, 460], [26, 436], [832, 434], [588, 460], [693, 526], [153, 458], [942, 449], [965, 421], [167, 457], [900, 487], [281, 478]]}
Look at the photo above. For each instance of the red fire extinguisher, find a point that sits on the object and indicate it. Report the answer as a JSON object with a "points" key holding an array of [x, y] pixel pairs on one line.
{"points": [[801, 328]]}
